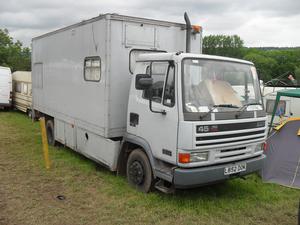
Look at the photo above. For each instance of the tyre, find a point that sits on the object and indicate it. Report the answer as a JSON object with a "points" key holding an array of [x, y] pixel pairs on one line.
{"points": [[29, 113], [50, 132], [139, 172]]}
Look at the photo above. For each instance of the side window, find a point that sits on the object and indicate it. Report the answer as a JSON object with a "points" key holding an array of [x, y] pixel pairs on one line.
{"points": [[29, 89], [18, 87], [158, 72], [92, 68], [25, 88], [134, 54], [281, 108], [169, 94]]}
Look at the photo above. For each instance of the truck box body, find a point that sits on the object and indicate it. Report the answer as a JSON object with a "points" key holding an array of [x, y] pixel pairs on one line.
{"points": [[5, 87], [58, 68]]}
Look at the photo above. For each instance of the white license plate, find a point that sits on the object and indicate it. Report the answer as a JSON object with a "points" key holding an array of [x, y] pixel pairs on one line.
{"points": [[234, 169]]}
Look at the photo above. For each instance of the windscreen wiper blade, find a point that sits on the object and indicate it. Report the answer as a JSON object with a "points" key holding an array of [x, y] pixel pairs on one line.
{"points": [[217, 106], [242, 109]]}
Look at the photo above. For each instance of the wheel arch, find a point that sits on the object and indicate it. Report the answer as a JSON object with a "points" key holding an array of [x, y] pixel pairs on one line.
{"points": [[131, 142]]}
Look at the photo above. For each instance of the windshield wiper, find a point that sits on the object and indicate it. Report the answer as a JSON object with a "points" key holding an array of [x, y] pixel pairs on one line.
{"points": [[243, 108], [217, 106]]}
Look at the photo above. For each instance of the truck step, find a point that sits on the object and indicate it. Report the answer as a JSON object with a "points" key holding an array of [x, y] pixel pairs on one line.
{"points": [[164, 187]]}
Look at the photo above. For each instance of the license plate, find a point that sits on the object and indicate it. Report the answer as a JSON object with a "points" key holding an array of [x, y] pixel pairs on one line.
{"points": [[234, 169]]}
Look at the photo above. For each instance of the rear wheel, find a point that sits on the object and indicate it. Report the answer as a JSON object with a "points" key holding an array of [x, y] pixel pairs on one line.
{"points": [[50, 132], [139, 172]]}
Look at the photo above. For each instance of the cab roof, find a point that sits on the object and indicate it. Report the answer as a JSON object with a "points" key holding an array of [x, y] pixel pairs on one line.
{"points": [[179, 56]]}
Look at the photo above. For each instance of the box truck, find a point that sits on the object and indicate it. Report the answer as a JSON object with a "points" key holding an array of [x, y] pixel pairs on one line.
{"points": [[137, 96], [22, 91], [5, 88]]}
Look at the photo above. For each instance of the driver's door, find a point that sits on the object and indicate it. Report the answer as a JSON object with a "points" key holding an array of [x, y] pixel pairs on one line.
{"points": [[159, 127]]}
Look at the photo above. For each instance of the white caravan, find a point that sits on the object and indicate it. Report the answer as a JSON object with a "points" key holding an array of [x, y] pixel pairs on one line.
{"points": [[287, 106], [5, 87], [120, 91], [22, 91]]}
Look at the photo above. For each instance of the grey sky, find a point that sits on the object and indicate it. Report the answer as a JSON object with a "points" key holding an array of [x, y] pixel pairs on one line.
{"points": [[259, 23]]}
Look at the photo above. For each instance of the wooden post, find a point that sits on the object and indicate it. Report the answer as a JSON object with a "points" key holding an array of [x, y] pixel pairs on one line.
{"points": [[45, 142]]}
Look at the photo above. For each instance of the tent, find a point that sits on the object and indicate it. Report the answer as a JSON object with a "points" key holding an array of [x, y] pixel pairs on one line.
{"points": [[282, 164]]}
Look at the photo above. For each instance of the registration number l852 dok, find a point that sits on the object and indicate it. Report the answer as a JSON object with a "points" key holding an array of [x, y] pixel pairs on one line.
{"points": [[235, 169]]}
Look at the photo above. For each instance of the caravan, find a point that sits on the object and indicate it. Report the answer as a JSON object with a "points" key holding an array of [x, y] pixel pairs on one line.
{"points": [[22, 91]]}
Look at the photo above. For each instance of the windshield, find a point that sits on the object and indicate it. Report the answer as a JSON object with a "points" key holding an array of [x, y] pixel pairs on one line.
{"points": [[209, 83]]}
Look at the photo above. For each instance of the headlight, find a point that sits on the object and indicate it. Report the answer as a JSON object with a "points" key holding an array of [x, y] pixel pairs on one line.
{"points": [[260, 147], [199, 156], [192, 157]]}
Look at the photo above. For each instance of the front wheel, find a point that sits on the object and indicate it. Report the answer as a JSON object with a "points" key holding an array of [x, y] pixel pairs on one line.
{"points": [[139, 172]]}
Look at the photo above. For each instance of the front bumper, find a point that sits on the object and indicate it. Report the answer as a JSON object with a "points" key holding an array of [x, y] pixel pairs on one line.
{"points": [[193, 177], [5, 105]]}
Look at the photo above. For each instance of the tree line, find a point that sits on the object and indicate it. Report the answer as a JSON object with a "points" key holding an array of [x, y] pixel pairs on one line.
{"points": [[270, 62], [13, 54]]}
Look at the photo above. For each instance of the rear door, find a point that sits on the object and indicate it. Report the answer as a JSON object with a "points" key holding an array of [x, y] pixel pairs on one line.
{"points": [[5, 85]]}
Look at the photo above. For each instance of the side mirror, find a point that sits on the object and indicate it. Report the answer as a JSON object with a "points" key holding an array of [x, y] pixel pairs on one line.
{"points": [[143, 81]]}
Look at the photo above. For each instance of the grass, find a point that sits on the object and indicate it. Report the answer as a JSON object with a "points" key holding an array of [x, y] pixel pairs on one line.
{"points": [[94, 195]]}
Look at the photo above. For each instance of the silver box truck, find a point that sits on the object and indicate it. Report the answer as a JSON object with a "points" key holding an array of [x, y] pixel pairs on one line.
{"points": [[121, 91]]}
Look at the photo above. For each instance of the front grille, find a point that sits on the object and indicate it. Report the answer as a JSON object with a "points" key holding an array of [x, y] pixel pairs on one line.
{"points": [[225, 154], [229, 135], [255, 132], [229, 127], [227, 142]]}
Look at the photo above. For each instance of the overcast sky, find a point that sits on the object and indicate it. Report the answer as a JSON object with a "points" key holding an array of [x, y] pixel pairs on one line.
{"points": [[258, 22]]}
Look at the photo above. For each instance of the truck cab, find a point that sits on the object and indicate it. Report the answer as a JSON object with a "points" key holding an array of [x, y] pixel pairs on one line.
{"points": [[198, 118]]}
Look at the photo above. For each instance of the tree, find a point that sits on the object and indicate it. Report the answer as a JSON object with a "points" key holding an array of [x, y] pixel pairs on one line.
{"points": [[297, 72], [271, 62], [264, 65], [13, 54], [223, 45], [286, 61]]}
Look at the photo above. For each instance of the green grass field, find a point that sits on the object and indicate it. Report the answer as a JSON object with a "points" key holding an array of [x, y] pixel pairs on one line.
{"points": [[94, 195]]}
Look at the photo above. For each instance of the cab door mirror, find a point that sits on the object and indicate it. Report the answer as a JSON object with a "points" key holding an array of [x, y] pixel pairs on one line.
{"points": [[143, 81]]}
